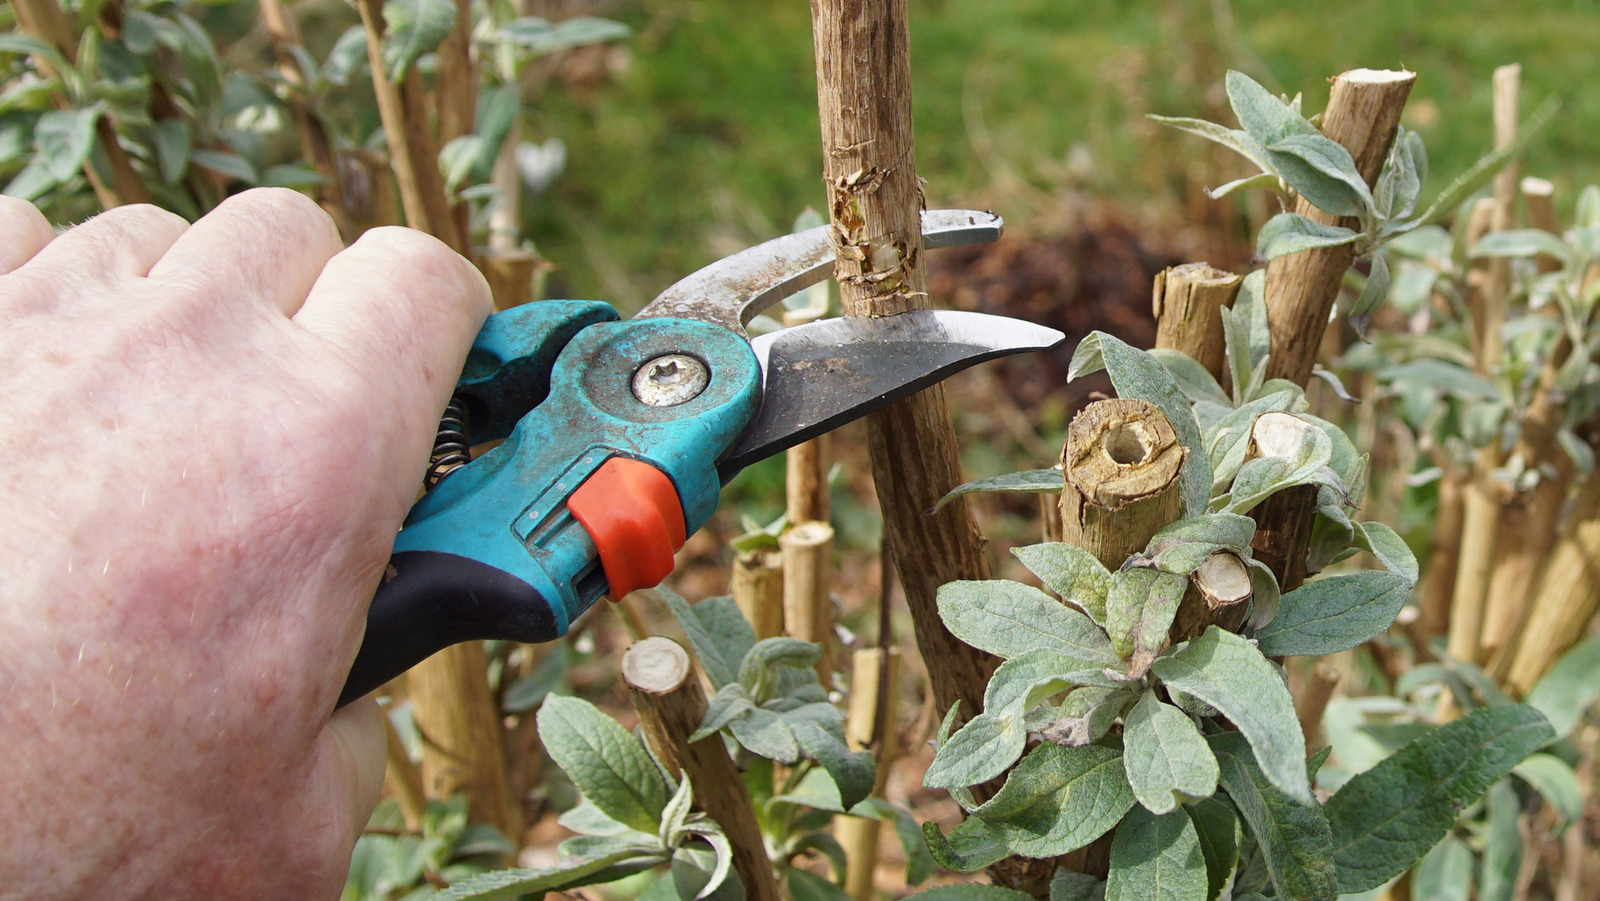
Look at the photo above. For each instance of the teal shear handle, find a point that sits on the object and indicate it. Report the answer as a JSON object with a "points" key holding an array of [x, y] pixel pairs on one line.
{"points": [[609, 463]]}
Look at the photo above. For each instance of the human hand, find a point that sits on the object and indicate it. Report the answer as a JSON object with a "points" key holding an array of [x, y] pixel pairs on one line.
{"points": [[210, 435]]}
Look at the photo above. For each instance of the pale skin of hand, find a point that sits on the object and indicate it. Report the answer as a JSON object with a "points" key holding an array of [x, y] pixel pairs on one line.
{"points": [[209, 436]]}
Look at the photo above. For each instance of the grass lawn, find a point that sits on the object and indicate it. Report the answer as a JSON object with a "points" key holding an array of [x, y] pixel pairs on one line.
{"points": [[708, 141]]}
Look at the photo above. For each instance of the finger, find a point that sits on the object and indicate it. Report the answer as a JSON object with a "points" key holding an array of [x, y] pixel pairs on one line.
{"points": [[122, 242], [23, 232], [355, 740], [267, 243], [401, 309]]}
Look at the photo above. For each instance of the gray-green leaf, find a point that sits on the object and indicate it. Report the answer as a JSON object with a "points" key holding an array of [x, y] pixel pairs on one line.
{"points": [[1058, 800], [1029, 481], [1386, 818], [1445, 873], [1139, 612], [1071, 572], [1156, 858], [1294, 839], [1265, 117], [1167, 760], [64, 139], [1321, 170], [608, 765], [412, 28], [1009, 618], [1334, 613], [1373, 294], [717, 632], [1229, 673], [1288, 233], [1218, 829], [516, 883]]}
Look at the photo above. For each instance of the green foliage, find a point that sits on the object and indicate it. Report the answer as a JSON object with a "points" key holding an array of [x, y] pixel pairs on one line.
{"points": [[1387, 817], [444, 847]]}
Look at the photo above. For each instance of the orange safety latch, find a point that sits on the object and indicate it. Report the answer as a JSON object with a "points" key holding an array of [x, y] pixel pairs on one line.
{"points": [[632, 513]]}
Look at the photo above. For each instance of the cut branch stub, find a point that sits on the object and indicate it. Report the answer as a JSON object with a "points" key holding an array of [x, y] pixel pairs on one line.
{"points": [[1219, 594], [1121, 466], [1363, 113], [671, 704], [1188, 302]]}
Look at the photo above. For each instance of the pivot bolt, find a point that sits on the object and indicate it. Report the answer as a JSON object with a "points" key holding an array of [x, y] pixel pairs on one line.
{"points": [[670, 380]]}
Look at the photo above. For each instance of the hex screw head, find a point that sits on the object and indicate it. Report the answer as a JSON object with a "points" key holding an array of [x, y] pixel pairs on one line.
{"points": [[669, 380]]}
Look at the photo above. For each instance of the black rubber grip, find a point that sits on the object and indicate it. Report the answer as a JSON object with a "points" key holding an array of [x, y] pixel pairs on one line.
{"points": [[430, 600]]}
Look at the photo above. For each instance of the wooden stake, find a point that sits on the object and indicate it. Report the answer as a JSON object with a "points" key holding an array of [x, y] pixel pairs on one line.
{"points": [[874, 200], [1363, 113], [462, 736], [871, 723], [807, 485], [1188, 302], [1568, 595], [1485, 495], [807, 575], [1050, 526], [1539, 202], [757, 587], [413, 150], [510, 274], [1313, 700], [671, 704], [403, 778], [1121, 464]]}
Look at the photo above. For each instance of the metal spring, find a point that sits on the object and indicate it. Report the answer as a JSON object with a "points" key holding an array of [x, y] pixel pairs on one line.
{"points": [[452, 446]]}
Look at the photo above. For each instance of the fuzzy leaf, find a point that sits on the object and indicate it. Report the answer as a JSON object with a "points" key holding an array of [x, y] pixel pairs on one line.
{"points": [[1445, 873], [1453, 378], [412, 28], [1288, 233], [1136, 374], [1030, 481], [1167, 760], [1502, 844], [1058, 800], [608, 765], [1139, 612], [1294, 838], [728, 704], [1087, 715], [1385, 543], [1267, 180], [1386, 818], [1009, 618], [1522, 242], [1181, 547], [982, 749], [1218, 829], [1551, 777], [1238, 141], [1321, 170], [1230, 674], [820, 731], [1570, 687], [516, 883], [765, 734], [1228, 440], [1071, 572], [1373, 294], [1156, 858], [807, 886], [1265, 117], [1066, 885], [1334, 613], [540, 37], [1191, 378], [717, 632], [64, 139]]}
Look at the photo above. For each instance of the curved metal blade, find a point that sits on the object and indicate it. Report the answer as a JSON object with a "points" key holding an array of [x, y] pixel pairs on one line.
{"points": [[824, 374], [731, 291]]}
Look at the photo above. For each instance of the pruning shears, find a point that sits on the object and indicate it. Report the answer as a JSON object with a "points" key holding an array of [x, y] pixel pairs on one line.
{"points": [[619, 435]]}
